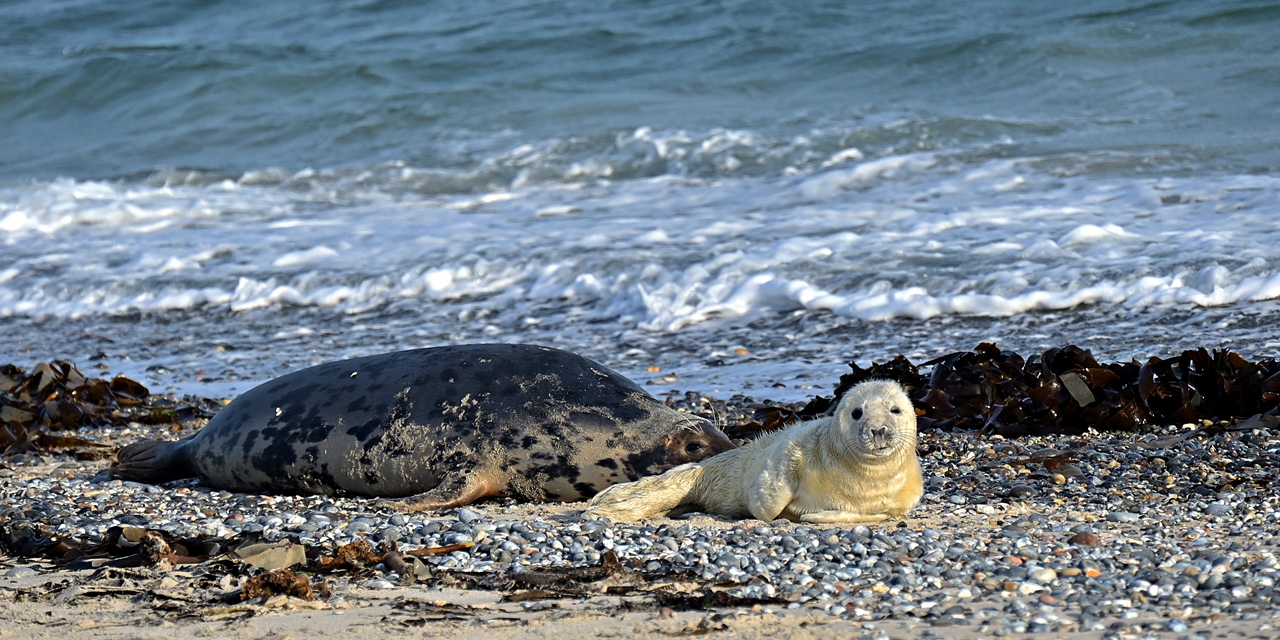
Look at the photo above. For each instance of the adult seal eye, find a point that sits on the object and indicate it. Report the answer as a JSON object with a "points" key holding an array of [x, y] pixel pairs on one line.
{"points": [[693, 447]]}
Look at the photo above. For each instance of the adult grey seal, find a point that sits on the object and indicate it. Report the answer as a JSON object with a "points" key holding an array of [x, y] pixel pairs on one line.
{"points": [[857, 465], [438, 427]]}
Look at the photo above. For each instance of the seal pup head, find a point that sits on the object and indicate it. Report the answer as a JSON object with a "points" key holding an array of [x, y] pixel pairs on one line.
{"points": [[875, 419]]}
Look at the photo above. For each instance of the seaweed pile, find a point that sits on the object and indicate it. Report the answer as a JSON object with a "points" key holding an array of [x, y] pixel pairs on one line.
{"points": [[55, 397], [1064, 390]]}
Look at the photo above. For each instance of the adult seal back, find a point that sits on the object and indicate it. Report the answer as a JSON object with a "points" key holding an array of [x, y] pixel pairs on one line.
{"points": [[435, 428]]}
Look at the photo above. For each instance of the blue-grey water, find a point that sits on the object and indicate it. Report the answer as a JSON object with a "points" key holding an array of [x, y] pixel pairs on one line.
{"points": [[739, 193]]}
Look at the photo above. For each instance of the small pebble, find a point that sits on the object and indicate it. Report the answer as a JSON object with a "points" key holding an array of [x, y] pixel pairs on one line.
{"points": [[1085, 540], [1044, 576], [1219, 509], [1022, 491]]}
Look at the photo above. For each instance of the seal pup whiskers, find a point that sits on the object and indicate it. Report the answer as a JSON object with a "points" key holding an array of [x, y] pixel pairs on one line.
{"points": [[857, 465]]}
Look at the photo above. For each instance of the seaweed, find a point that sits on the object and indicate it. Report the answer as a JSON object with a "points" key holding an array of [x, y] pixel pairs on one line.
{"points": [[55, 397], [283, 582], [1062, 391]]}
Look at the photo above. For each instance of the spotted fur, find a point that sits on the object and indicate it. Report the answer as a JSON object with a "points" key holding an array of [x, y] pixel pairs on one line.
{"points": [[435, 427]]}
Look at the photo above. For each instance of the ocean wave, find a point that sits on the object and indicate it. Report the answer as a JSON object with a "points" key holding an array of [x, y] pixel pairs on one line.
{"points": [[663, 302], [916, 235], [822, 158]]}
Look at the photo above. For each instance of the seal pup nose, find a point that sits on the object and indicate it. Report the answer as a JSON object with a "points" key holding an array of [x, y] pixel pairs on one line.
{"points": [[880, 435]]}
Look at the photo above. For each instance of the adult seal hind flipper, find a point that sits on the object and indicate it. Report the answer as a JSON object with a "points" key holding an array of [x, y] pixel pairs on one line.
{"points": [[435, 428]]}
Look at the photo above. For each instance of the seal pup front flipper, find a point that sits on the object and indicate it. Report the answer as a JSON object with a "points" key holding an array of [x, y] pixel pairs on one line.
{"points": [[648, 497], [152, 461]]}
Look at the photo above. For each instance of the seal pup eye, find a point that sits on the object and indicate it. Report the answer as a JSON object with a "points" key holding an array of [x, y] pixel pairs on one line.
{"points": [[895, 410], [857, 413]]}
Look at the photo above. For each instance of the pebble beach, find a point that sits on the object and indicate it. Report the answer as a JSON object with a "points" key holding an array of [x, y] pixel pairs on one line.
{"points": [[1170, 532]]}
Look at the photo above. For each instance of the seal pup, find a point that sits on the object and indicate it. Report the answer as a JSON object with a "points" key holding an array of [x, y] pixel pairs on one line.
{"points": [[857, 465], [437, 428]]}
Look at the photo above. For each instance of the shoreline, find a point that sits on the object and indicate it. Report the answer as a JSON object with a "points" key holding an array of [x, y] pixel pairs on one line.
{"points": [[1170, 530]]}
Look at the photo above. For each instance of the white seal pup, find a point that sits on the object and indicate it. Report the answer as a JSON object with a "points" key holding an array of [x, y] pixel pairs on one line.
{"points": [[858, 465]]}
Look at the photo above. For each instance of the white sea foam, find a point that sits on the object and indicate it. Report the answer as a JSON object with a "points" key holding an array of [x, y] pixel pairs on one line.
{"points": [[908, 236], [828, 185], [305, 258]]}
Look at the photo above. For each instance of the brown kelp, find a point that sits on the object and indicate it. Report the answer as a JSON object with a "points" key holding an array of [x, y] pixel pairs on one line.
{"points": [[1064, 390], [55, 397]]}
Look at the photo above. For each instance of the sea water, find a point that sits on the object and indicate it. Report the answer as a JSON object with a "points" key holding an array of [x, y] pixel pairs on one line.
{"points": [[730, 197]]}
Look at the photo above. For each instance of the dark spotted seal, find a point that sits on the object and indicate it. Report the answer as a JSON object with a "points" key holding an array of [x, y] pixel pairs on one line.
{"points": [[439, 427]]}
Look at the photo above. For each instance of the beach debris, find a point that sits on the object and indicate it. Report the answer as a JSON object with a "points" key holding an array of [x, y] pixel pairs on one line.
{"points": [[710, 623], [245, 610], [123, 546], [411, 568], [353, 556], [611, 577], [562, 578], [283, 582], [56, 397], [1063, 390], [271, 556], [448, 548], [414, 612]]}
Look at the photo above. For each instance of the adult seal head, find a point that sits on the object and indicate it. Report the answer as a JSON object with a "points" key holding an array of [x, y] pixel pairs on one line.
{"points": [[437, 428], [857, 465]]}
